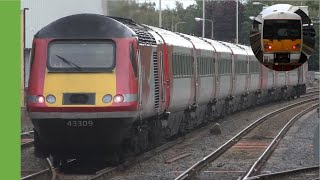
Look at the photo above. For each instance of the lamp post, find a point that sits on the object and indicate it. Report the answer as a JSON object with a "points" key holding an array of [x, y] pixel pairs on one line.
{"points": [[237, 19], [203, 16], [201, 19], [160, 15], [176, 25]]}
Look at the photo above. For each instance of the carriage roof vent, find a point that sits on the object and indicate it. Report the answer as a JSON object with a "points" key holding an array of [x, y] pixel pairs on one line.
{"points": [[144, 37]]}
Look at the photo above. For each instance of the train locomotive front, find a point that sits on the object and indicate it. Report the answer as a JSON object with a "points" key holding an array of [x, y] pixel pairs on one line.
{"points": [[281, 40], [83, 91]]}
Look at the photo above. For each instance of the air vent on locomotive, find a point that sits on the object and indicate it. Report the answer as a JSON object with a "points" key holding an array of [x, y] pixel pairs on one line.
{"points": [[144, 37]]}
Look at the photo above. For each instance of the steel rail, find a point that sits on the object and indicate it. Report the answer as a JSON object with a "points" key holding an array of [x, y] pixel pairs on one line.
{"points": [[27, 133], [257, 165], [192, 171], [44, 174], [105, 173], [27, 144], [48, 173], [285, 173], [311, 92]]}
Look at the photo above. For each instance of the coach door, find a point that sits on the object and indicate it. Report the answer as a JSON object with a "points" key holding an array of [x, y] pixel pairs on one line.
{"points": [[140, 72], [164, 77], [300, 75]]}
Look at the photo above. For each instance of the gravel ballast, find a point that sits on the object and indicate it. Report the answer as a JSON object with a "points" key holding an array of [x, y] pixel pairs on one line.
{"points": [[198, 146], [296, 150]]}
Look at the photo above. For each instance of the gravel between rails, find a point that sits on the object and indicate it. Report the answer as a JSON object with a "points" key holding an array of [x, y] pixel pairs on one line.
{"points": [[239, 158], [296, 149], [31, 164], [198, 146]]}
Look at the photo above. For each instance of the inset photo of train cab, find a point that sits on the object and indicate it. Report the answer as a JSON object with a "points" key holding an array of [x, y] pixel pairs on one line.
{"points": [[125, 90], [282, 37]]}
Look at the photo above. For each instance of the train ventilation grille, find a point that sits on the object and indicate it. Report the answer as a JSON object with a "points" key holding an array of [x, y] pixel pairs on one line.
{"points": [[156, 81], [144, 37]]}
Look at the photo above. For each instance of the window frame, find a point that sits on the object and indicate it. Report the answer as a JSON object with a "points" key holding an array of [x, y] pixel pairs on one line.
{"points": [[83, 69]]}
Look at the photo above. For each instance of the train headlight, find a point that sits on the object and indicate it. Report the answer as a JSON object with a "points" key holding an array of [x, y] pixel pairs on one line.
{"points": [[40, 99], [118, 98], [297, 46], [107, 98], [268, 46], [51, 99]]}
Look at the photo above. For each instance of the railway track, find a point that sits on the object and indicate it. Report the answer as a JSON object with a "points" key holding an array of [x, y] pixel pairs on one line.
{"points": [[104, 173], [246, 147], [26, 139], [301, 173]]}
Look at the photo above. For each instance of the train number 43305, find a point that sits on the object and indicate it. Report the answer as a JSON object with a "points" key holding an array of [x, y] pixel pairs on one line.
{"points": [[80, 123]]}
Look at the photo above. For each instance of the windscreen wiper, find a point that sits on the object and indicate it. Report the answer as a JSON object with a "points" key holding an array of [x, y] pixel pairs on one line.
{"points": [[70, 63]]}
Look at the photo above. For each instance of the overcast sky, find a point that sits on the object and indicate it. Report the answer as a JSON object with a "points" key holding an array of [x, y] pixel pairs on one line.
{"points": [[169, 3]]}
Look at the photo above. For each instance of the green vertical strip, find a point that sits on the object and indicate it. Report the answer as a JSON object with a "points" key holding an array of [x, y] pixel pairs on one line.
{"points": [[10, 89]]}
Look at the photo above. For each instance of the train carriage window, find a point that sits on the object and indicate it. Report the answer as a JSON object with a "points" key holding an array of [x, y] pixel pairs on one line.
{"points": [[254, 67], [237, 67], [203, 64], [177, 65], [211, 66], [240, 66], [224, 68], [180, 66], [173, 63], [227, 66], [133, 61], [220, 66], [282, 29], [185, 66], [206, 66], [189, 66], [199, 65]]}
